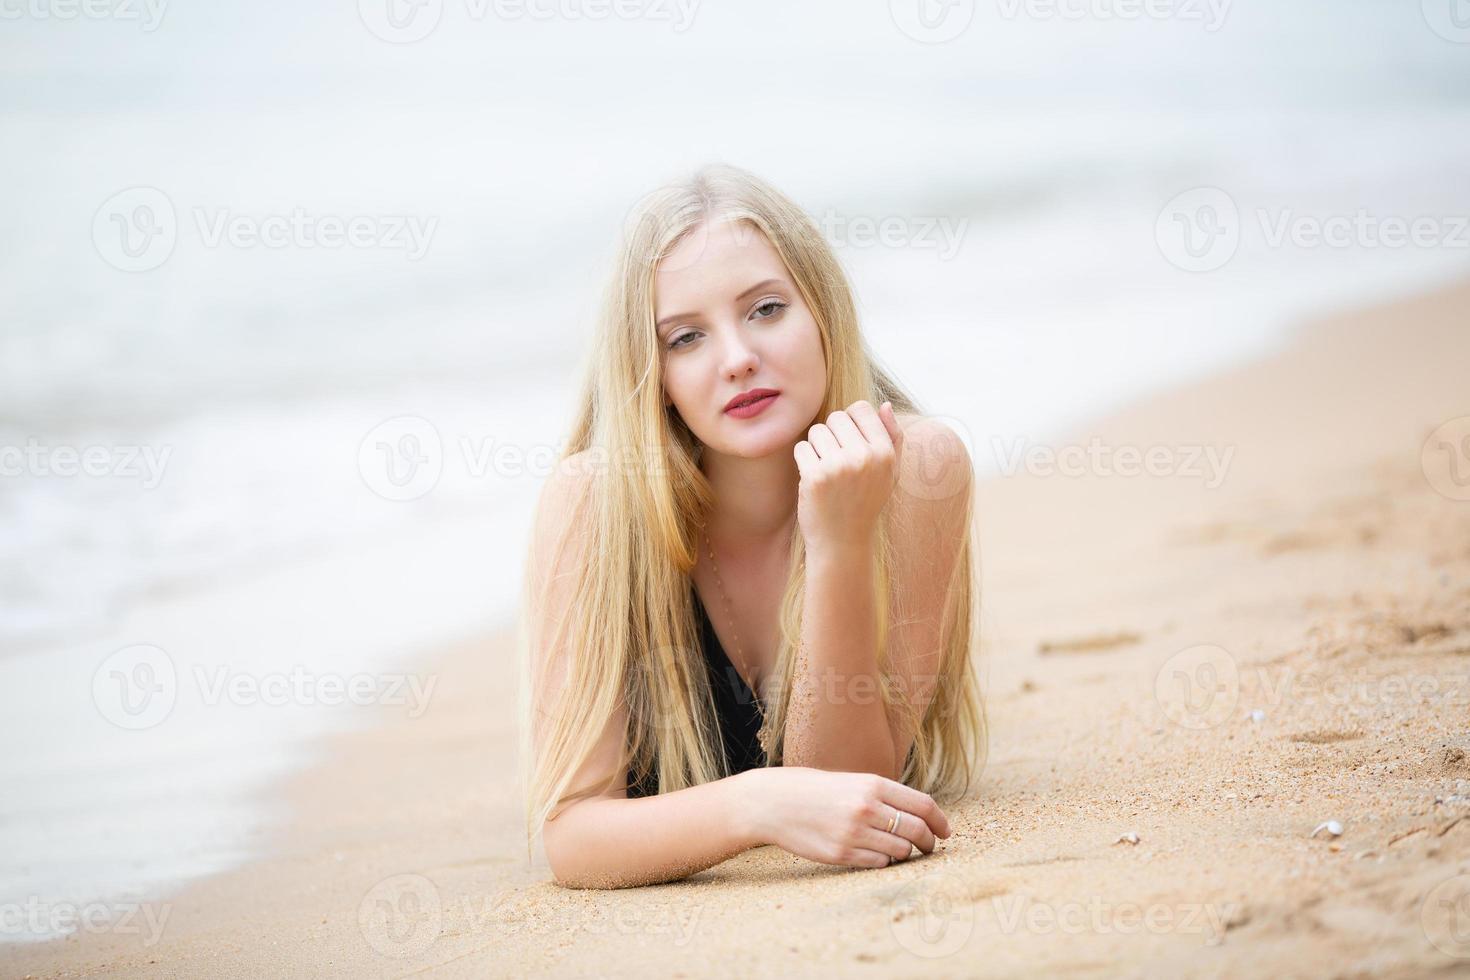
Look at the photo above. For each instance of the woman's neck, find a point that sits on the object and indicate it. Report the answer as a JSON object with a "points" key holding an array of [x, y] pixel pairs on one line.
{"points": [[755, 499]]}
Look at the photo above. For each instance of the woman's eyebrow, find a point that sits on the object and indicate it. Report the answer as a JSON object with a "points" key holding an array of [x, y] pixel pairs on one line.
{"points": [[763, 284]]}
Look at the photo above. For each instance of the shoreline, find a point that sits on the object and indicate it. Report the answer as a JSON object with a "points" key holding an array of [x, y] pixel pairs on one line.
{"points": [[1323, 552]]}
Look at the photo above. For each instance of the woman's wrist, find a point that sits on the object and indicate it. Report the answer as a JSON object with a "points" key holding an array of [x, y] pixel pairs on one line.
{"points": [[842, 550], [749, 807]]}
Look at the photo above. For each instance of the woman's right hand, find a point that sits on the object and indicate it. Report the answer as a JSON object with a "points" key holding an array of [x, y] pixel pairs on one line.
{"points": [[841, 817]]}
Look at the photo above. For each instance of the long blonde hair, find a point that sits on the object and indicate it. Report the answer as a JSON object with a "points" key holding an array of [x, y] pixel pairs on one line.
{"points": [[630, 630]]}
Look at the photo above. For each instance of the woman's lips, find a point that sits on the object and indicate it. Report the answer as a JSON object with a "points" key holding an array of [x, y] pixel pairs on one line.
{"points": [[751, 409]]}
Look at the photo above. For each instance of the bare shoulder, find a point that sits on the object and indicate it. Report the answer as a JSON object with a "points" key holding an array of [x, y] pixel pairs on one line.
{"points": [[936, 472], [931, 518], [568, 488], [561, 508]]}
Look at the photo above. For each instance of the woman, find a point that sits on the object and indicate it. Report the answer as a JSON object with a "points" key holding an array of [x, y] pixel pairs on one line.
{"points": [[734, 515]]}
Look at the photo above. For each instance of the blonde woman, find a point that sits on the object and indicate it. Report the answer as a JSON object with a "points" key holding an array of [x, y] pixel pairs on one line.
{"points": [[749, 596]]}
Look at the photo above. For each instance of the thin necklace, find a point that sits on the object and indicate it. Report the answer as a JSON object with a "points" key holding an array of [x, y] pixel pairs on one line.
{"points": [[729, 616]]}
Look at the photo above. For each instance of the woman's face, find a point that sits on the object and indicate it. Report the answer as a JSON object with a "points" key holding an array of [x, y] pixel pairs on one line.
{"points": [[729, 320]]}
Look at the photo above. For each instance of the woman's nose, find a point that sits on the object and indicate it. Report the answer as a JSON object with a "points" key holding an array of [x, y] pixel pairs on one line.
{"points": [[739, 357]]}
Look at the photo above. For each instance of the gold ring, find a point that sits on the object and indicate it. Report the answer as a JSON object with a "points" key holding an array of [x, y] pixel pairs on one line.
{"points": [[894, 822]]}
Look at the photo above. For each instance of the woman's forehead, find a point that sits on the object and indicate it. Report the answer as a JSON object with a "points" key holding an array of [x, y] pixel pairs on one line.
{"points": [[720, 260]]}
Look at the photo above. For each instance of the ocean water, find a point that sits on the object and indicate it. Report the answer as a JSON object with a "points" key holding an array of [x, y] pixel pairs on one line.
{"points": [[317, 459]]}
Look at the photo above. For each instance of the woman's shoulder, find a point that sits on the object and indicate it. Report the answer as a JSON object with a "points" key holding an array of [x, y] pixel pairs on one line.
{"points": [[570, 479], [564, 495], [935, 473], [934, 444]]}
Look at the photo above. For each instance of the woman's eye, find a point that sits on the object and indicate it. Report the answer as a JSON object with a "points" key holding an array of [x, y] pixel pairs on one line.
{"points": [[678, 341], [775, 306]]}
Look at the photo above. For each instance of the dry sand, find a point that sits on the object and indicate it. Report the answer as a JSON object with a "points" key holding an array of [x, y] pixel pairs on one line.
{"points": [[1132, 626]]}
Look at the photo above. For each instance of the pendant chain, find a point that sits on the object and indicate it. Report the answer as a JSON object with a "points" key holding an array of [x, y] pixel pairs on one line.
{"points": [[729, 615]]}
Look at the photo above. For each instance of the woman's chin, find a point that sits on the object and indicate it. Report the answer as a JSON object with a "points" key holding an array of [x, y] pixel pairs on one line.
{"points": [[760, 445]]}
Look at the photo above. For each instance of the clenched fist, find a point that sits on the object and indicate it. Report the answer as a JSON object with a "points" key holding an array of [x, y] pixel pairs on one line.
{"points": [[849, 467]]}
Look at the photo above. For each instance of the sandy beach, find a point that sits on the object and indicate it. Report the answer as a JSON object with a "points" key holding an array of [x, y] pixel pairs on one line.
{"points": [[1188, 670]]}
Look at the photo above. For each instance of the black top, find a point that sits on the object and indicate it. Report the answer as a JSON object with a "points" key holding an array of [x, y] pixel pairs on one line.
{"points": [[739, 711]]}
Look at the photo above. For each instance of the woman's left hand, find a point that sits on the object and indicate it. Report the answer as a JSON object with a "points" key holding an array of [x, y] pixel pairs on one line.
{"points": [[849, 467]]}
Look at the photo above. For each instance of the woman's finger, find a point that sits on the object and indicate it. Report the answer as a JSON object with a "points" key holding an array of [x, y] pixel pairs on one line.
{"points": [[806, 457], [894, 845], [873, 428], [918, 804], [890, 422], [863, 857], [915, 830], [822, 440], [846, 430]]}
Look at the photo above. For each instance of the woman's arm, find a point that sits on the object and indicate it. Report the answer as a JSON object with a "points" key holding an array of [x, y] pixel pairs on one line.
{"points": [[609, 842], [838, 719], [836, 818]]}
